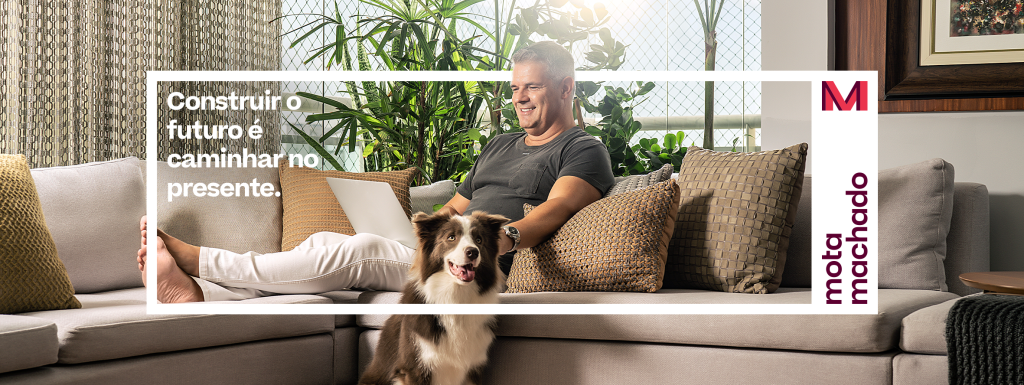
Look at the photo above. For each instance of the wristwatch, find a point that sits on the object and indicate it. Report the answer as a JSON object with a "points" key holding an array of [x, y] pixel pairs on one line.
{"points": [[512, 233]]}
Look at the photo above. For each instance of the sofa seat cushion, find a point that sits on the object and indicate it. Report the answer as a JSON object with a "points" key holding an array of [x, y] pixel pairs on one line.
{"points": [[812, 332], [924, 331], [343, 297], [27, 342], [115, 325]]}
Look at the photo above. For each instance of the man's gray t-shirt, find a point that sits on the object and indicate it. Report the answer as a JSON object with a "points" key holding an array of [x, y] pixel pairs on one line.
{"points": [[509, 173]]}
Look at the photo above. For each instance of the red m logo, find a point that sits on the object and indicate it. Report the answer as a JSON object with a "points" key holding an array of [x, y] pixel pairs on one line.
{"points": [[830, 96]]}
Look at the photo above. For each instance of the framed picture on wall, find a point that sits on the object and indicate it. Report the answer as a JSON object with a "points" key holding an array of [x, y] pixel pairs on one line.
{"points": [[972, 32], [888, 35]]}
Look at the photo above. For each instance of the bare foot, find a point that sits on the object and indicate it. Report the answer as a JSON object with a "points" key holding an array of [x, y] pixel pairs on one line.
{"points": [[184, 254], [173, 285]]}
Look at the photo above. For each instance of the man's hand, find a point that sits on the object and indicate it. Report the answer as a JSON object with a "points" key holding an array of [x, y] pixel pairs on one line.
{"points": [[569, 195], [504, 242], [455, 206]]}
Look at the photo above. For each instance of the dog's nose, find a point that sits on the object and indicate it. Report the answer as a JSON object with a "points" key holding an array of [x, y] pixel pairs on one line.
{"points": [[472, 253]]}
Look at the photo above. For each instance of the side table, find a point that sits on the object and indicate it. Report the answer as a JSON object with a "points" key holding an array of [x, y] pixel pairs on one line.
{"points": [[996, 282]]}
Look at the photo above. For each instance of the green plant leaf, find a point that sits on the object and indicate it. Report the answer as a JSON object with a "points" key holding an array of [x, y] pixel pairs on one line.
{"points": [[616, 144], [531, 18], [589, 88], [325, 100], [616, 114], [670, 142], [588, 16], [310, 32], [645, 89], [596, 57], [317, 147], [655, 147], [600, 11], [606, 36], [368, 149], [635, 126]]}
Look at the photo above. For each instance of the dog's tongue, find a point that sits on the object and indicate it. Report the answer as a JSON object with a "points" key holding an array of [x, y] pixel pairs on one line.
{"points": [[465, 273]]}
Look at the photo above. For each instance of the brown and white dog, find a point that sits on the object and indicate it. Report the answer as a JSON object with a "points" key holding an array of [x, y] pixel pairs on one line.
{"points": [[456, 262]]}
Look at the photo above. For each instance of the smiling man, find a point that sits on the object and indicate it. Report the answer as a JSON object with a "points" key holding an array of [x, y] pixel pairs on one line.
{"points": [[553, 165]]}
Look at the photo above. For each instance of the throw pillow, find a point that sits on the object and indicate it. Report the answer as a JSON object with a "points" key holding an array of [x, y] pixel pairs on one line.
{"points": [[32, 278], [618, 243], [735, 217], [310, 206], [636, 182], [915, 205]]}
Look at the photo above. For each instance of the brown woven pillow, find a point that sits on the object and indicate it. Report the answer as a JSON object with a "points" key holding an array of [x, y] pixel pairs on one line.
{"points": [[636, 182], [618, 243], [310, 206], [735, 216], [32, 278]]}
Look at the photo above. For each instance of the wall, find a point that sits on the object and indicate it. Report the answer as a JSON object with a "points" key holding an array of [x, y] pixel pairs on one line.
{"points": [[786, 45], [978, 144]]}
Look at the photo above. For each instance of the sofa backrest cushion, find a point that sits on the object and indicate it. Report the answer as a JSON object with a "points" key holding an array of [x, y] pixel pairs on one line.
{"points": [[915, 205], [423, 198], [238, 223], [93, 211], [930, 230], [967, 246]]}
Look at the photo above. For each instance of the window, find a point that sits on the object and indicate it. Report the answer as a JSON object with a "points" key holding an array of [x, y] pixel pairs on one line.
{"points": [[659, 34]]}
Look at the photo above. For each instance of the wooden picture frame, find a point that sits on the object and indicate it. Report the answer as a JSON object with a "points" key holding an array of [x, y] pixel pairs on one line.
{"points": [[939, 45], [885, 35]]}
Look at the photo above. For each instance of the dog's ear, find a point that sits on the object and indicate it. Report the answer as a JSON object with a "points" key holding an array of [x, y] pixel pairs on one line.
{"points": [[425, 225], [492, 222]]}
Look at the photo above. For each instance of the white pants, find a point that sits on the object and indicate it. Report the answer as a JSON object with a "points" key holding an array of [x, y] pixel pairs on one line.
{"points": [[323, 262]]}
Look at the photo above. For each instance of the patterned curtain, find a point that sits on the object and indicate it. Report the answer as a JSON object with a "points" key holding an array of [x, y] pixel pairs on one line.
{"points": [[73, 78]]}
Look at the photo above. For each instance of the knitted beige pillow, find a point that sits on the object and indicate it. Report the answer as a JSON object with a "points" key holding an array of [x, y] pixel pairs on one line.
{"points": [[310, 206], [32, 278], [618, 243], [735, 217], [636, 182]]}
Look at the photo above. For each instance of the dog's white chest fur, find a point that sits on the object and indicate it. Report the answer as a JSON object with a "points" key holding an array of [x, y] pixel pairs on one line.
{"points": [[462, 347], [466, 337]]}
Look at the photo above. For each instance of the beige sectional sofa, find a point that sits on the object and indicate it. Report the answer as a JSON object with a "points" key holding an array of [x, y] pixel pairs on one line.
{"points": [[92, 211]]}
